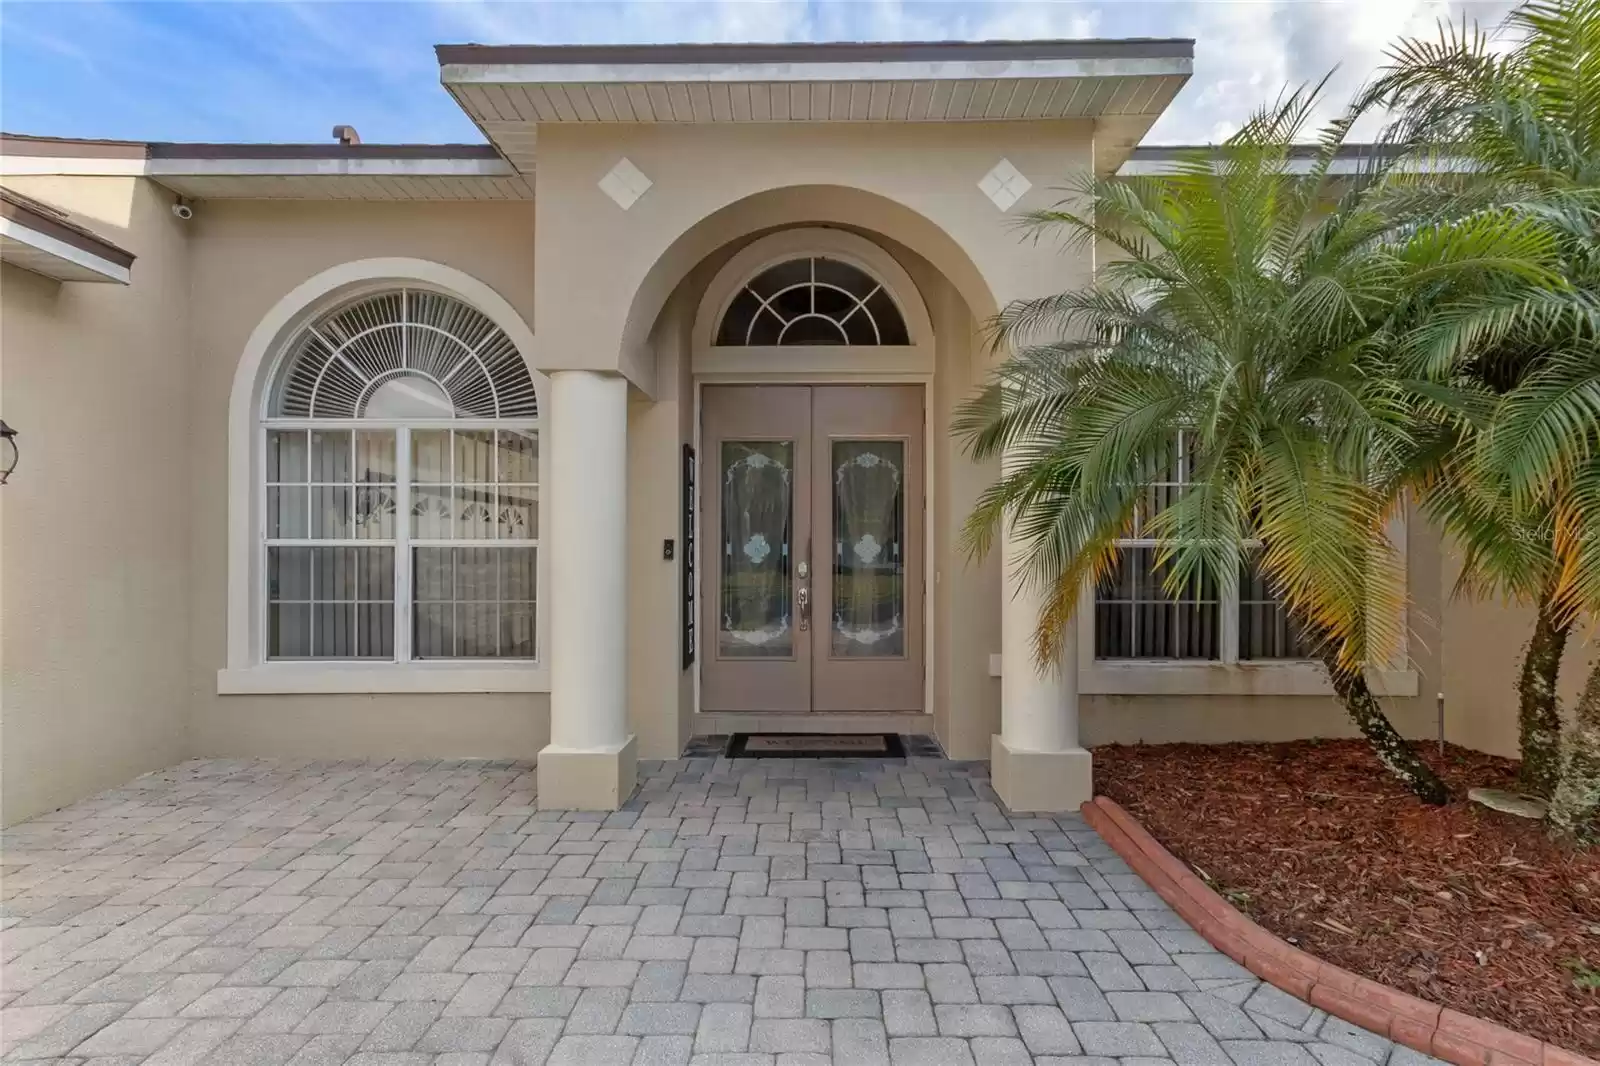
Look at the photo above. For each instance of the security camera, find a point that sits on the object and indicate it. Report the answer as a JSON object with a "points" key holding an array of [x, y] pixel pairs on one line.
{"points": [[182, 211]]}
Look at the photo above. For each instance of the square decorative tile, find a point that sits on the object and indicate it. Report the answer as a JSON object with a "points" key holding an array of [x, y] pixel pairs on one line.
{"points": [[1004, 184], [625, 183]]}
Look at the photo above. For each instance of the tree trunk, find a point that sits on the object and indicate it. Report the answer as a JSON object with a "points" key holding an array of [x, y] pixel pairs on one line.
{"points": [[1538, 713], [1575, 807], [1391, 748]]}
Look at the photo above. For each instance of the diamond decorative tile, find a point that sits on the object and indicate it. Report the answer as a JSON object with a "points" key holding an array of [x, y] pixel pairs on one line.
{"points": [[625, 183], [1004, 184]]}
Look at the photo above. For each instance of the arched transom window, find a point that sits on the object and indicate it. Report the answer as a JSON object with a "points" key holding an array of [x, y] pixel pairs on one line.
{"points": [[813, 300], [401, 486]]}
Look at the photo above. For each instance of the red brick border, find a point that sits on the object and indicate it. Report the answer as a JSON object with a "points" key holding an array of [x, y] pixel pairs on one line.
{"points": [[1427, 1027]]}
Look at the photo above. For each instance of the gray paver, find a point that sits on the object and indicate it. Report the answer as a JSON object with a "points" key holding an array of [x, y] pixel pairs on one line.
{"points": [[1045, 1030], [663, 1051], [842, 1003], [723, 1027], [1278, 1005], [770, 913], [594, 1051], [597, 1011], [860, 1041], [776, 1035], [131, 1036], [780, 997], [908, 1012], [464, 1034], [929, 1051], [974, 1019], [529, 1040], [1000, 1051], [1118, 1038], [1148, 1007], [1188, 1042], [660, 1019], [1267, 1053]]}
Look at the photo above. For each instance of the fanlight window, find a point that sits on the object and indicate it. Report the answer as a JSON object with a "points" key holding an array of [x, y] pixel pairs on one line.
{"points": [[407, 353], [812, 301], [401, 517]]}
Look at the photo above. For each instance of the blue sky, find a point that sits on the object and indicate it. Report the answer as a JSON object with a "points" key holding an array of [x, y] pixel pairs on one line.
{"points": [[287, 71]]}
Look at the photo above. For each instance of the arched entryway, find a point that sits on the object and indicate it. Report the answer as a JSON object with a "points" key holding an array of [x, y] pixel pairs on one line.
{"points": [[627, 436], [845, 606], [813, 358]]}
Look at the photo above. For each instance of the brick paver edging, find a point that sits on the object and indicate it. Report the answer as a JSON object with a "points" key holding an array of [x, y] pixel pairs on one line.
{"points": [[1427, 1027]]}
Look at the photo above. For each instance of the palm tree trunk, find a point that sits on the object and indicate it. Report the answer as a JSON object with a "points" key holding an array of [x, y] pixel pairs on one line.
{"points": [[1388, 745], [1575, 807], [1538, 713]]}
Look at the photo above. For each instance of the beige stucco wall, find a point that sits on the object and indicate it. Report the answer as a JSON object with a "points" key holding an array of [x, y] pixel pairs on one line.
{"points": [[621, 301], [1483, 645], [619, 267], [660, 690], [966, 591], [113, 589], [246, 257], [94, 542]]}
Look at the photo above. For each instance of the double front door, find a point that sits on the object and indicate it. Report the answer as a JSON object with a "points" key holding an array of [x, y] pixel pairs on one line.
{"points": [[812, 518]]}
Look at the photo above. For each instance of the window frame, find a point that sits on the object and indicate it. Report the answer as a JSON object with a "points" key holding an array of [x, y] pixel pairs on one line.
{"points": [[834, 362], [403, 542], [1228, 675], [246, 670]]}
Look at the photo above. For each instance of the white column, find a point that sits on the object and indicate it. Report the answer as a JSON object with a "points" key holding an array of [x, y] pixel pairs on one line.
{"points": [[1035, 762], [1038, 710], [589, 763]]}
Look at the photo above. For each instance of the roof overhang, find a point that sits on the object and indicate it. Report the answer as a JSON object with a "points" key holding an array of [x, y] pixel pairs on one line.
{"points": [[510, 89], [1351, 159], [39, 238], [281, 171]]}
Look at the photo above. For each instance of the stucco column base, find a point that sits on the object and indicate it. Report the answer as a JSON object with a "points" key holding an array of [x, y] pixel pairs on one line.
{"points": [[586, 779], [1051, 782]]}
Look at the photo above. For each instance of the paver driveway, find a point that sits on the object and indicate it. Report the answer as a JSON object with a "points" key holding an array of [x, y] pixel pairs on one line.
{"points": [[752, 913]]}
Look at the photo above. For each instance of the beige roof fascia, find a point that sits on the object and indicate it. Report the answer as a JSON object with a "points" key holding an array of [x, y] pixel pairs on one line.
{"points": [[841, 61], [1352, 159]]}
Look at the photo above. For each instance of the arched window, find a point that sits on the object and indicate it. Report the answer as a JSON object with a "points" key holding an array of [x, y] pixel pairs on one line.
{"points": [[401, 486], [814, 300]]}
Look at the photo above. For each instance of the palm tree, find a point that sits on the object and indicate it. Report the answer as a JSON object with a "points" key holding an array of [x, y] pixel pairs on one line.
{"points": [[1241, 311], [1525, 125]]}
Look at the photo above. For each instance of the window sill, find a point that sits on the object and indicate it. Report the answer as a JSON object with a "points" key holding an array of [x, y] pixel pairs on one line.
{"points": [[1224, 679], [369, 678]]}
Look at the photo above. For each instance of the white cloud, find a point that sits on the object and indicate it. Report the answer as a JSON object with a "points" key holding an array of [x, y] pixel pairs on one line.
{"points": [[1247, 53]]}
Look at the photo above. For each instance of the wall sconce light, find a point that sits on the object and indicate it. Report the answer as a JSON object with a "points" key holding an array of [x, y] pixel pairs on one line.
{"points": [[9, 453]]}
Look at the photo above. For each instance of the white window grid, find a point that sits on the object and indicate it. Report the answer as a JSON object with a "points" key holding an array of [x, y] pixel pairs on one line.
{"points": [[768, 305], [403, 542], [1160, 493]]}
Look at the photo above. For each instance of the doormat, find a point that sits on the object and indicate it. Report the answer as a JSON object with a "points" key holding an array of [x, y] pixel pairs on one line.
{"points": [[815, 746]]}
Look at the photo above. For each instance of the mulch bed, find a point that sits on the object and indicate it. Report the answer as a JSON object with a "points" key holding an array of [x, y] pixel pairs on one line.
{"points": [[1461, 905]]}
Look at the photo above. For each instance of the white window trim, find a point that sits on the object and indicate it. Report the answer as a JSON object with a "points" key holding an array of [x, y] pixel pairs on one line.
{"points": [[1266, 677], [247, 670], [840, 362]]}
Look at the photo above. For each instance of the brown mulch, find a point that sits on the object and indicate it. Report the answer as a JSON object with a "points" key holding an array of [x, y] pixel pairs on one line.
{"points": [[1461, 905]]}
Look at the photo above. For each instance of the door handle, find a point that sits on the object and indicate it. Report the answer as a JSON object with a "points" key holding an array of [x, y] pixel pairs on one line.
{"points": [[802, 600]]}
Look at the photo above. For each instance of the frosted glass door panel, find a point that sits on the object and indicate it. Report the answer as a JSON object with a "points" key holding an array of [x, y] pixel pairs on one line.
{"points": [[868, 609], [757, 609]]}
